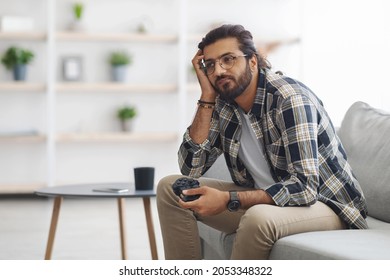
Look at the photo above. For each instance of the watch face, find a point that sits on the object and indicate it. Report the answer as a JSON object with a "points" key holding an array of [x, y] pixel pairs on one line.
{"points": [[234, 205]]}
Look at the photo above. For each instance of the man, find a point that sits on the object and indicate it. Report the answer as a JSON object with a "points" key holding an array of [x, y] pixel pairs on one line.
{"points": [[289, 170]]}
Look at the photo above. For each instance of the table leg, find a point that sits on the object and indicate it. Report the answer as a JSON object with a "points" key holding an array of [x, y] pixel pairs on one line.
{"points": [[121, 206], [149, 223], [53, 226]]}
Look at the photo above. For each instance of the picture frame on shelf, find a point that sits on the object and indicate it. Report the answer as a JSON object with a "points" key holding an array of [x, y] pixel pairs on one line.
{"points": [[72, 68]]}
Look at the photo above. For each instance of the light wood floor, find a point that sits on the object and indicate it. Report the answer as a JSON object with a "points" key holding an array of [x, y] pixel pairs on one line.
{"points": [[88, 229]]}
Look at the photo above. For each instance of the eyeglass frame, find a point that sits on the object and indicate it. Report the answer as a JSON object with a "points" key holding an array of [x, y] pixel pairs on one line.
{"points": [[204, 67]]}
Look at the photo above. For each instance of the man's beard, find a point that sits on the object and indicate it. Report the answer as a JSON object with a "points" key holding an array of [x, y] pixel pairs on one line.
{"points": [[230, 94]]}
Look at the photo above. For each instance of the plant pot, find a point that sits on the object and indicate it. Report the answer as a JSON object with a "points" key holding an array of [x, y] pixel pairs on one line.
{"points": [[77, 26], [127, 125], [119, 73], [20, 72]]}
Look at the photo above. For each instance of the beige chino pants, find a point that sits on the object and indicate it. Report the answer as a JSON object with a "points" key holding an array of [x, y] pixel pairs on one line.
{"points": [[257, 228]]}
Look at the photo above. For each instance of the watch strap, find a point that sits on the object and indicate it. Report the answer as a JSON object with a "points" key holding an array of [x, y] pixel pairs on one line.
{"points": [[234, 202]]}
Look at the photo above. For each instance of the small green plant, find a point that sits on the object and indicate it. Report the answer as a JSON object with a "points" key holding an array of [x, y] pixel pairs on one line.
{"points": [[126, 113], [14, 56], [120, 58], [78, 9]]}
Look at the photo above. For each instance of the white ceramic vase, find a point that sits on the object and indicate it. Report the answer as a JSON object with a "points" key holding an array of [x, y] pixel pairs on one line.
{"points": [[127, 125], [119, 73]]}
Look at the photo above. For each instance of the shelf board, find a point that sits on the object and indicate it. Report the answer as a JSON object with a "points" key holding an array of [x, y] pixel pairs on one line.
{"points": [[117, 137], [115, 37], [20, 188], [22, 86], [76, 86], [29, 36], [23, 138], [116, 87]]}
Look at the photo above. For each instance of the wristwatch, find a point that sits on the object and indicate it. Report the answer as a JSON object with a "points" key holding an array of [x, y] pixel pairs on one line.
{"points": [[234, 203]]}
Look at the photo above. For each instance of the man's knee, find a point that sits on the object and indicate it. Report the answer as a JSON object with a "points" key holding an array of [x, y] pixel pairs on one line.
{"points": [[258, 219], [165, 183], [255, 234], [164, 188]]}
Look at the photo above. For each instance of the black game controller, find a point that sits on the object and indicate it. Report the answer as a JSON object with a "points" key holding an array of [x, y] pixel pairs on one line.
{"points": [[185, 184]]}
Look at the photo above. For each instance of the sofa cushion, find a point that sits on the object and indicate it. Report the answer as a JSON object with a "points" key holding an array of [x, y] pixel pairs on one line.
{"points": [[365, 134], [373, 244], [216, 245], [336, 245]]}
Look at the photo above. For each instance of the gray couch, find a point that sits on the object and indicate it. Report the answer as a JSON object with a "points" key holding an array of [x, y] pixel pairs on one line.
{"points": [[365, 134]]}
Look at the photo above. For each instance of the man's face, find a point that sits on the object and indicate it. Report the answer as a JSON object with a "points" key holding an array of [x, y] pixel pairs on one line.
{"points": [[231, 83]]}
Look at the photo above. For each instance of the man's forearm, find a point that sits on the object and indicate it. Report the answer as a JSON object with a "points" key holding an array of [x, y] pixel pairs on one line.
{"points": [[200, 126], [250, 198]]}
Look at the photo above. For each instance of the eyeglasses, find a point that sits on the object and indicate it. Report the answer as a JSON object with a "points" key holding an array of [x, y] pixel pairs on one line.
{"points": [[226, 62]]}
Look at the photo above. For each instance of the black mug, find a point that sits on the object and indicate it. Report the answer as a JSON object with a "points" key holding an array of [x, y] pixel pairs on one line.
{"points": [[144, 178]]}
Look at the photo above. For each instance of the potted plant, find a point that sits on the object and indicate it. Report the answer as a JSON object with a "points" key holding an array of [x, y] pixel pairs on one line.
{"points": [[16, 60], [120, 60], [126, 115], [78, 11]]}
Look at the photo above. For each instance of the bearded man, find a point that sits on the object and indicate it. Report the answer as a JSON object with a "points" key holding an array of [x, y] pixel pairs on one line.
{"points": [[289, 169]]}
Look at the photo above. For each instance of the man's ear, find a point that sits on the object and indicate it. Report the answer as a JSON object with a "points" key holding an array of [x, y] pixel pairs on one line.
{"points": [[253, 63]]}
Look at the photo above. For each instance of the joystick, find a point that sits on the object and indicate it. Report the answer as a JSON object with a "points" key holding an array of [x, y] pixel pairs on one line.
{"points": [[185, 184]]}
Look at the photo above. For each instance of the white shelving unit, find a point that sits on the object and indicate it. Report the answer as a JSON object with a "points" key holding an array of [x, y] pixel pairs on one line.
{"points": [[23, 139], [115, 87], [117, 137], [26, 36], [114, 37], [57, 145], [21, 86], [53, 87]]}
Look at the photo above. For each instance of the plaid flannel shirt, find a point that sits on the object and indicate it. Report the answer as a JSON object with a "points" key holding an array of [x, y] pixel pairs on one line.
{"points": [[305, 156]]}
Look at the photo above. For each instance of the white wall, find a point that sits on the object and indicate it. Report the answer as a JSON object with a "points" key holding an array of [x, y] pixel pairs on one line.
{"points": [[346, 53], [343, 56]]}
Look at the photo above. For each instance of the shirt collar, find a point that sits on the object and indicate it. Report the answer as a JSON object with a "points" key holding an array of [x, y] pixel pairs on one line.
{"points": [[257, 108], [258, 104]]}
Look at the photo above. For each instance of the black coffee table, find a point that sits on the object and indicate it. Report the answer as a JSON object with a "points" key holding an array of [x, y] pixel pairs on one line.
{"points": [[99, 191]]}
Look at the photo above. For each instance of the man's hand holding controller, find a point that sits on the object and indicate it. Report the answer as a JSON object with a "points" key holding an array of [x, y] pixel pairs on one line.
{"points": [[182, 184], [203, 200]]}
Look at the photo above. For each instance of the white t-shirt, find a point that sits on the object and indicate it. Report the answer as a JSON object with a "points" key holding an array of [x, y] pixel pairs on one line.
{"points": [[251, 153]]}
